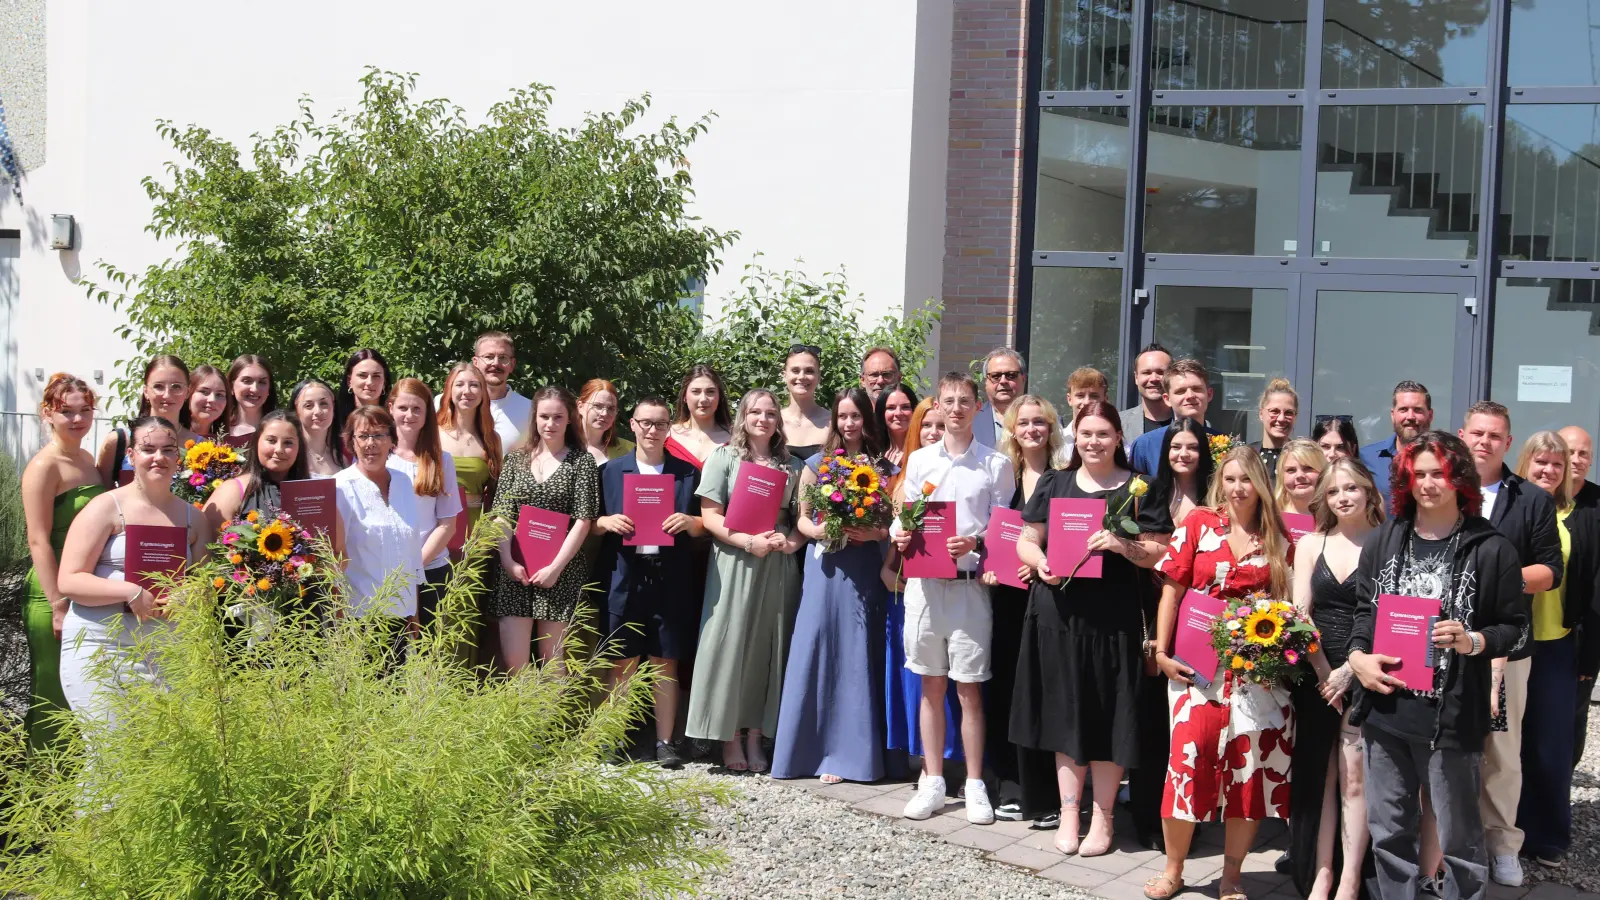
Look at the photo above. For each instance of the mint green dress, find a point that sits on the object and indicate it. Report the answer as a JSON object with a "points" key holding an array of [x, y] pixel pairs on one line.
{"points": [[44, 648]]}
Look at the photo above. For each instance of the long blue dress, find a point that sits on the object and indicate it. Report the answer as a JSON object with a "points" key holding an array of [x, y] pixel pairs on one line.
{"points": [[831, 719]]}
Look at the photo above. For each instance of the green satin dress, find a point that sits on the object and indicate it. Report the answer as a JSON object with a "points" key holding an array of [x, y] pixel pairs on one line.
{"points": [[44, 648], [472, 474]]}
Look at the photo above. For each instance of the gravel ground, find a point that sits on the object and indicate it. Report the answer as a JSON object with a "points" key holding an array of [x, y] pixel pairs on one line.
{"points": [[783, 843], [1582, 869]]}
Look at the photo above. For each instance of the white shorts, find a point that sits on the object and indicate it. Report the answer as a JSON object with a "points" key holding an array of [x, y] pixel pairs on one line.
{"points": [[947, 628]]}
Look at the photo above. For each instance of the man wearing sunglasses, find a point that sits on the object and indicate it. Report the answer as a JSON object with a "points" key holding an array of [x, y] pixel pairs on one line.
{"points": [[1005, 378]]}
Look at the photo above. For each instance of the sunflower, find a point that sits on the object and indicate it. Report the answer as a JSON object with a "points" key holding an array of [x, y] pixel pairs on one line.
{"points": [[200, 456], [864, 479], [1263, 628], [276, 542]]}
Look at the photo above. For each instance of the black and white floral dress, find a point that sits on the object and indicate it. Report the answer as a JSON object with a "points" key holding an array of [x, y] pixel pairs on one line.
{"points": [[573, 488]]}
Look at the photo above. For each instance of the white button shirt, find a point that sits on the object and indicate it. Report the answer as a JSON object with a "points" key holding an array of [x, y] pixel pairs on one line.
{"points": [[975, 480], [428, 511], [379, 538]]}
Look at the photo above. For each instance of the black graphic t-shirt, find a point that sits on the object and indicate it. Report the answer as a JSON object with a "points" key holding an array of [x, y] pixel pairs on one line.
{"points": [[1412, 712]]}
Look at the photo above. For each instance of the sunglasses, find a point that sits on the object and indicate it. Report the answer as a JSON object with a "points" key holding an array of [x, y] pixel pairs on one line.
{"points": [[1342, 417], [805, 348]]}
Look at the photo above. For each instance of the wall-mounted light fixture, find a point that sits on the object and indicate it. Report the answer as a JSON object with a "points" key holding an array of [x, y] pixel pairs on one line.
{"points": [[62, 230]]}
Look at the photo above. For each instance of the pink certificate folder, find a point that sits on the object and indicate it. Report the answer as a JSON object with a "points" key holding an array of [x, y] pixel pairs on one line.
{"points": [[648, 500], [311, 502], [1299, 525], [153, 551], [757, 494], [1072, 521], [1192, 643], [540, 533], [927, 556], [1000, 546], [1404, 629]]}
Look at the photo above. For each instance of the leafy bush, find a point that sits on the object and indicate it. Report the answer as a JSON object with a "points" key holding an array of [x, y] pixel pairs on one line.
{"points": [[308, 765], [13, 523], [775, 310], [398, 226]]}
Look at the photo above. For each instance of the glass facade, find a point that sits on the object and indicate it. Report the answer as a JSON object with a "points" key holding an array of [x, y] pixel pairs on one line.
{"points": [[1345, 192]]}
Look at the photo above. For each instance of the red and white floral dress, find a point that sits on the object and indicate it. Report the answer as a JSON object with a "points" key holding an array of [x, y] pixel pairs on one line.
{"points": [[1231, 742]]}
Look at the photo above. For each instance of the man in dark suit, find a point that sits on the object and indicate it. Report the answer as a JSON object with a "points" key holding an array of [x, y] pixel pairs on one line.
{"points": [[648, 614], [1526, 515]]}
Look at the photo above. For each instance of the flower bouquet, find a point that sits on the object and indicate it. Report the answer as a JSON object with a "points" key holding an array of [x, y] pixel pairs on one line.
{"points": [[272, 558], [206, 464], [1263, 640], [1220, 444], [849, 493]]}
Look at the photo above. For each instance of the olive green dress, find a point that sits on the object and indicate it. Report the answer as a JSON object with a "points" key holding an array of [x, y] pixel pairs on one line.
{"points": [[44, 647], [749, 612]]}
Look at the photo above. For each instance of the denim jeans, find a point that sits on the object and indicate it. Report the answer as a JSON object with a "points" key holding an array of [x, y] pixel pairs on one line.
{"points": [[1397, 769]]}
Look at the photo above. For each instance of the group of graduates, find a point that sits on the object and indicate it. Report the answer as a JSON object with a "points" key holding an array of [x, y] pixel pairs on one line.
{"points": [[788, 653]]}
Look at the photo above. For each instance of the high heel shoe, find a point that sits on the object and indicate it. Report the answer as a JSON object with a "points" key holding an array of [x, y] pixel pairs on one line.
{"points": [[1067, 834], [1098, 843]]}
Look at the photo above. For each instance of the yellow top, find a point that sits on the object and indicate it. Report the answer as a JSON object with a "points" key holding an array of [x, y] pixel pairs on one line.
{"points": [[1547, 604]]}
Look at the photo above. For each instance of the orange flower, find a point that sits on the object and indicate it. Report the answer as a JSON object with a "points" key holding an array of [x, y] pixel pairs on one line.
{"points": [[253, 516], [198, 506], [928, 488], [1313, 648], [236, 559], [861, 513], [218, 582], [264, 584], [1248, 665]]}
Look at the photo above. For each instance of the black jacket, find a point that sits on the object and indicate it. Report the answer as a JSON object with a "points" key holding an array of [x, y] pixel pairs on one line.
{"points": [[1487, 579], [1581, 604], [1526, 514]]}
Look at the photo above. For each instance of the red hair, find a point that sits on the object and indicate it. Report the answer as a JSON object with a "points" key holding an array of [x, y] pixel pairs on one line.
{"points": [[1455, 461], [59, 386], [597, 386]]}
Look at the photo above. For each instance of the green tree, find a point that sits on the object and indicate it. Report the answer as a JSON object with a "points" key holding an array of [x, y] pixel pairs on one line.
{"points": [[402, 227], [773, 311]]}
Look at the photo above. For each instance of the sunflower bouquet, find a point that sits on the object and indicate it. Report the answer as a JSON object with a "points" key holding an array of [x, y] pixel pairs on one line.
{"points": [[849, 493], [1263, 640], [206, 464], [1220, 444], [272, 558]]}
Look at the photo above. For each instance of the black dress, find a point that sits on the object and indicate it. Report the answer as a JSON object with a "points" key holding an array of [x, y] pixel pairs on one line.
{"points": [[1027, 776], [1081, 659], [1317, 727]]}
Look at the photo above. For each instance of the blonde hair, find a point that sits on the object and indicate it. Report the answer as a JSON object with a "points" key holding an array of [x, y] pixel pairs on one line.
{"points": [[1278, 386], [1056, 450], [1268, 524], [1549, 442], [1323, 514], [1088, 377], [1304, 451], [739, 438]]}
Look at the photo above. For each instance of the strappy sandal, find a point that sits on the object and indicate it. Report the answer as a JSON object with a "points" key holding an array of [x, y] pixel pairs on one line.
{"points": [[830, 779], [1152, 888], [1236, 894]]}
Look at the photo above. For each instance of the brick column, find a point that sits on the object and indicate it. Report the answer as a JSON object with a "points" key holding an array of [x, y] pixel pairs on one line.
{"points": [[983, 182]]}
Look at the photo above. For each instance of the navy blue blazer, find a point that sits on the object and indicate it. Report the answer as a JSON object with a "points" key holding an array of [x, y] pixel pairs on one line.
{"points": [[616, 559]]}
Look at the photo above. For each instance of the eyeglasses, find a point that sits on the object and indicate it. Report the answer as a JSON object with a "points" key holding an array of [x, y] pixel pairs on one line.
{"points": [[651, 424], [997, 377], [1342, 417], [169, 451], [885, 375], [602, 408], [805, 348], [501, 358], [373, 437]]}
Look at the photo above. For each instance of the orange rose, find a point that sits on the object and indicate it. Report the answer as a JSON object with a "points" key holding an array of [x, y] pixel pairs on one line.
{"points": [[928, 488]]}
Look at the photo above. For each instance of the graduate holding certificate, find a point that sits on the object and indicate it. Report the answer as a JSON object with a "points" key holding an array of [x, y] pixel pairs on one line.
{"points": [[1436, 547], [649, 609], [110, 610]]}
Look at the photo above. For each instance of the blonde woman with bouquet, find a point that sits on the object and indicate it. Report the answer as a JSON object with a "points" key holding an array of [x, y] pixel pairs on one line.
{"points": [[830, 722], [1232, 548]]}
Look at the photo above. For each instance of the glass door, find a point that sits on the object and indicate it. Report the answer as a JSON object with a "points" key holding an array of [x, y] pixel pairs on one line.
{"points": [[1366, 333], [1241, 326]]}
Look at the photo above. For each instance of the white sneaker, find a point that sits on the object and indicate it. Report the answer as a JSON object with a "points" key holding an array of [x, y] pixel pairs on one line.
{"points": [[928, 798], [979, 811], [1506, 870]]}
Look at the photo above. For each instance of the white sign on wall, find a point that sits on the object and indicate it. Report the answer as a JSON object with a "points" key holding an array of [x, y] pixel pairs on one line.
{"points": [[1544, 384]]}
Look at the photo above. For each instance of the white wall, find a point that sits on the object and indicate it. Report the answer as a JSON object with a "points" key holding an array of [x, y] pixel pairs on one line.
{"points": [[817, 143]]}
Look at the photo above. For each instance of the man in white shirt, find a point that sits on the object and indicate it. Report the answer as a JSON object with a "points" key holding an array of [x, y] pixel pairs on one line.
{"points": [[948, 621], [1005, 378], [496, 357]]}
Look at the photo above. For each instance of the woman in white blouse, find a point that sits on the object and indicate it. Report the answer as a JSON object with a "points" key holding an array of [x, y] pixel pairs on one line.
{"points": [[378, 509], [432, 473]]}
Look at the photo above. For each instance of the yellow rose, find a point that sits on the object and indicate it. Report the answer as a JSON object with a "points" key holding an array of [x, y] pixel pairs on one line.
{"points": [[1137, 487]]}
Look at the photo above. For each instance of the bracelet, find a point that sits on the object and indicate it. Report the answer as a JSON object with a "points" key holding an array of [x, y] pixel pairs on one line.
{"points": [[749, 541], [1476, 640]]}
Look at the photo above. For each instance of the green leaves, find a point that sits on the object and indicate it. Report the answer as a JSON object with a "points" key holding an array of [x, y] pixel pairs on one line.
{"points": [[1128, 526], [400, 226]]}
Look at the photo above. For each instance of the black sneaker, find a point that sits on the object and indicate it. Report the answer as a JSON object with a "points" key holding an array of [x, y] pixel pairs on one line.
{"points": [[1047, 822], [1010, 812], [1550, 860], [667, 756]]}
